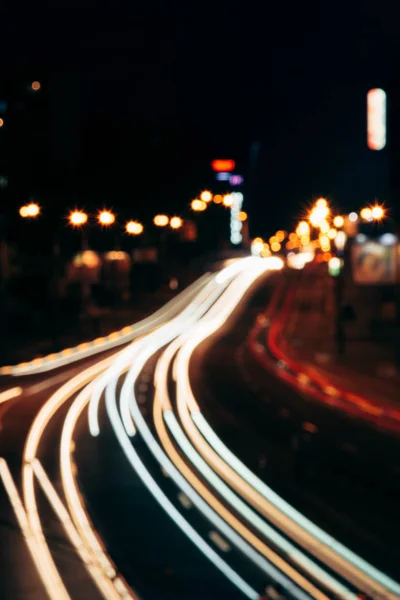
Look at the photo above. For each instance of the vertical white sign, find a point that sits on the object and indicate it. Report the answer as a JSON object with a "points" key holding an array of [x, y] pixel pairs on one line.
{"points": [[376, 119]]}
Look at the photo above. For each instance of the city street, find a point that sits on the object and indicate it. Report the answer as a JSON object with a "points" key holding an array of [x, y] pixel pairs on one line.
{"points": [[129, 477]]}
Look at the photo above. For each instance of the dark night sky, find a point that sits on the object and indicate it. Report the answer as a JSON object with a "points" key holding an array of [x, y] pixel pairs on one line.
{"points": [[146, 94]]}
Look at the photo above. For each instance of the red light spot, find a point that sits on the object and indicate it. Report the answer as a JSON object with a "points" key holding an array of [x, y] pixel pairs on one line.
{"points": [[223, 166]]}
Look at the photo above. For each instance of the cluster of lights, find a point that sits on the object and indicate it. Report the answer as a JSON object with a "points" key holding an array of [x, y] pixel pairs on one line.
{"points": [[236, 221], [30, 211]]}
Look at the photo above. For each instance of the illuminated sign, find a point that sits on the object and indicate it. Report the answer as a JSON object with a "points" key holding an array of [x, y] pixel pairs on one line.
{"points": [[236, 223], [222, 176], [223, 165], [376, 119], [236, 180]]}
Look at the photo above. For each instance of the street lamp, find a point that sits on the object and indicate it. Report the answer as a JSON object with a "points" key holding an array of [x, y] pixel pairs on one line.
{"points": [[366, 214], [29, 211], [303, 228], [338, 221], [377, 212], [242, 216], [227, 200], [35, 86], [321, 203], [206, 196], [161, 220], [134, 228], [77, 218], [176, 223], [106, 217], [1, 122], [198, 205]]}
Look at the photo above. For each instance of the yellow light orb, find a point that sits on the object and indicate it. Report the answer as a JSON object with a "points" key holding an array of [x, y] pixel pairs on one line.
{"points": [[1, 122], [161, 220], [242, 216], [218, 199], [332, 233], [198, 205], [227, 200], [324, 226], [321, 203], [77, 218], [23, 211], [338, 221], [258, 240], [305, 239], [206, 196], [36, 86], [106, 217], [366, 214], [280, 235], [134, 228], [176, 223], [275, 247], [377, 212], [303, 228], [273, 239]]}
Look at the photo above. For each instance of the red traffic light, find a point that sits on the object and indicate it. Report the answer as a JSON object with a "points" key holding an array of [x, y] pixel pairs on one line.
{"points": [[223, 165]]}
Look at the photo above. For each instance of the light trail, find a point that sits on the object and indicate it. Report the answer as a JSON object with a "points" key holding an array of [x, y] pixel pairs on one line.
{"points": [[227, 302], [109, 342], [339, 558]]}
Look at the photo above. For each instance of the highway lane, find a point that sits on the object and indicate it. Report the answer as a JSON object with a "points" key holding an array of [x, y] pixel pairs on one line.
{"points": [[262, 420]]}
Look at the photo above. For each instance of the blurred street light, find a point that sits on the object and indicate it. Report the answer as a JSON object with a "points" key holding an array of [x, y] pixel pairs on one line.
{"points": [[242, 216], [198, 205], [353, 216], [340, 240], [206, 196], [303, 228], [338, 221], [332, 233], [324, 226], [227, 200], [30, 210], [366, 214], [280, 235], [35, 86], [273, 239], [318, 214], [176, 223], [77, 218], [134, 228], [275, 246], [1, 122], [377, 212], [161, 220], [106, 217], [218, 199], [325, 242], [321, 203]]}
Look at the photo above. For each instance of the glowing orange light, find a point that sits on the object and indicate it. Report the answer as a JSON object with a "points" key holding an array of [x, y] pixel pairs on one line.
{"points": [[1, 122], [106, 217], [35, 86], [134, 228], [321, 203], [303, 228], [206, 196], [227, 200], [366, 214], [377, 212], [161, 220], [223, 166], [77, 218], [218, 199], [242, 216], [338, 221], [176, 223], [280, 235], [376, 119], [198, 205], [289, 245], [332, 233], [31, 210], [275, 247]]}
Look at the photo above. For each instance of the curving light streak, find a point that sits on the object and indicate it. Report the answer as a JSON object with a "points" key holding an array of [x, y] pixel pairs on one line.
{"points": [[161, 498], [113, 340], [260, 549], [42, 556], [226, 303], [340, 558], [106, 577], [10, 394]]}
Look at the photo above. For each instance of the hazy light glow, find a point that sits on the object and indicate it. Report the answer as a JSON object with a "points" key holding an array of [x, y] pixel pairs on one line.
{"points": [[30, 210], [338, 221], [236, 221], [198, 205], [106, 217], [77, 218], [161, 220], [36, 86], [176, 223], [227, 200], [388, 239], [225, 166], [366, 214], [206, 196], [303, 228], [377, 212], [353, 217], [321, 203], [376, 119], [134, 228]]}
